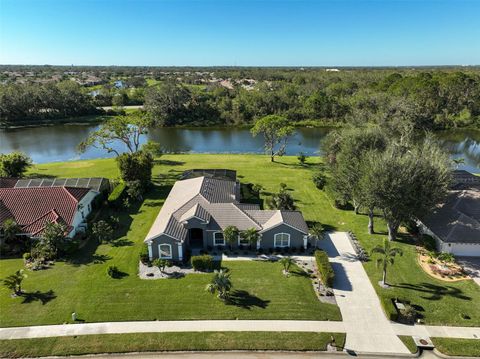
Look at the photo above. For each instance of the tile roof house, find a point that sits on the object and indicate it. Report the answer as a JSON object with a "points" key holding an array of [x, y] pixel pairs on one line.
{"points": [[455, 224], [198, 209], [33, 207]]}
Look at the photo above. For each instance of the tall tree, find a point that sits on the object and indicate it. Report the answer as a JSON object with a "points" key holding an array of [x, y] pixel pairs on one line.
{"points": [[250, 235], [406, 182], [275, 130], [14, 164], [126, 130]]}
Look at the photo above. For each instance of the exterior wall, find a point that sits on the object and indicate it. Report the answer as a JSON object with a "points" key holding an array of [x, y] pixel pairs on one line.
{"points": [[268, 237], [83, 210], [163, 239]]}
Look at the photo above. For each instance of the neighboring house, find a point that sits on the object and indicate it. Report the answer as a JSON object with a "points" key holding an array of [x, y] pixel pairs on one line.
{"points": [[197, 210], [31, 203], [455, 225]]}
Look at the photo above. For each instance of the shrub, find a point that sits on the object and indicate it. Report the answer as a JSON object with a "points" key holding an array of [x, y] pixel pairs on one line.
{"points": [[113, 272], [202, 263], [325, 269], [27, 256], [144, 258], [115, 198], [319, 180], [429, 243]]}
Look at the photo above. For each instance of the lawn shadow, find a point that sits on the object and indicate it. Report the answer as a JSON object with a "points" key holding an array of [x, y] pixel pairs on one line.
{"points": [[40, 175], [245, 300], [121, 242], [120, 275], [43, 297], [341, 281], [169, 162], [299, 273], [434, 292], [326, 227]]}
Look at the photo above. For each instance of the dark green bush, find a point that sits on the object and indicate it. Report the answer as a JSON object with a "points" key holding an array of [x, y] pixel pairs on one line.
{"points": [[144, 258], [115, 198], [202, 263], [319, 180], [325, 269], [429, 243]]}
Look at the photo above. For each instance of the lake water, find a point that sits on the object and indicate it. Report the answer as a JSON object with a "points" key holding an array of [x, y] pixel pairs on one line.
{"points": [[58, 143]]}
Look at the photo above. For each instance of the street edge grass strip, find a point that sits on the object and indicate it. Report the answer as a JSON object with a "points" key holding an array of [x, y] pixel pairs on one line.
{"points": [[172, 341], [409, 343], [457, 347]]}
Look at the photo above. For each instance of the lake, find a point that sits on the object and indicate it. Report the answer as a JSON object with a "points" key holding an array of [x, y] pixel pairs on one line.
{"points": [[58, 143]]}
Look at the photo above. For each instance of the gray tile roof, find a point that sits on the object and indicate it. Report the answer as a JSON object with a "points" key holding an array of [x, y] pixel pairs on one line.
{"points": [[215, 201], [458, 219]]}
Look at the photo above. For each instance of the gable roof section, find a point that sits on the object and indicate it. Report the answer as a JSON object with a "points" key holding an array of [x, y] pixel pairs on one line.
{"points": [[31, 208], [458, 219], [215, 200]]}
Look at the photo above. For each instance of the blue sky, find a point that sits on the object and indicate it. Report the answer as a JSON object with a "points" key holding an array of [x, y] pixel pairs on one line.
{"points": [[242, 32]]}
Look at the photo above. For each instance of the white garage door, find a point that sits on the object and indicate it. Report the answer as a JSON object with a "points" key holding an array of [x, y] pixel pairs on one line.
{"points": [[469, 250]]}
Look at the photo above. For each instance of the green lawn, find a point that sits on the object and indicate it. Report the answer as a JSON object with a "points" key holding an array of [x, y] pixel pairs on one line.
{"points": [[186, 341], [458, 347], [88, 290]]}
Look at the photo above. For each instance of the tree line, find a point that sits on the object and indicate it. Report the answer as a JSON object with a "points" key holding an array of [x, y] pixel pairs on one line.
{"points": [[425, 99]]}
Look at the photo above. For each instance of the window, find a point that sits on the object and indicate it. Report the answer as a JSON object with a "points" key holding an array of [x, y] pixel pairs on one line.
{"points": [[282, 240], [218, 239], [242, 242], [165, 251]]}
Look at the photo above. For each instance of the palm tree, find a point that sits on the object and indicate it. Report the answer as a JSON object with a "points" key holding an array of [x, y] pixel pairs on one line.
{"points": [[388, 254], [230, 234], [251, 235], [287, 262], [317, 231], [14, 281], [10, 229], [220, 283]]}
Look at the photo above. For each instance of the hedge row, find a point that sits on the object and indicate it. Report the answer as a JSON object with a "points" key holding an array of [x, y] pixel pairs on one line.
{"points": [[202, 263], [324, 268], [115, 198]]}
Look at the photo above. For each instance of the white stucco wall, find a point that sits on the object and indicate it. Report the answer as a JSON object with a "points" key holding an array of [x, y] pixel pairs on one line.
{"points": [[83, 210]]}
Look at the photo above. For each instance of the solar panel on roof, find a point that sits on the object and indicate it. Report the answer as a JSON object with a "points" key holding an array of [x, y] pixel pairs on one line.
{"points": [[22, 183], [47, 182], [71, 182], [35, 182], [82, 182], [59, 182]]}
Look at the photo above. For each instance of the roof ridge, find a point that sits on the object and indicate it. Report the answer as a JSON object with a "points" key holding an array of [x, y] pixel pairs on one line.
{"points": [[246, 215]]}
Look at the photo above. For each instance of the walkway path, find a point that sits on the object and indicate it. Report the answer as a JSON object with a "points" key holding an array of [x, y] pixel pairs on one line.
{"points": [[171, 326], [367, 328]]}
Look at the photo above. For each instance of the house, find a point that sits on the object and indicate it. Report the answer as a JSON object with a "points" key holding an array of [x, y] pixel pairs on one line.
{"points": [[455, 224], [198, 209], [31, 203]]}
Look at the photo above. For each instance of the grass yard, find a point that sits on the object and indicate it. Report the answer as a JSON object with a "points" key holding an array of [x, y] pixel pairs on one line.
{"points": [[458, 347], [198, 341], [85, 287]]}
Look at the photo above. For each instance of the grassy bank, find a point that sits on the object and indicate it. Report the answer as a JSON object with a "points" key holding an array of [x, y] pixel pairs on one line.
{"points": [[198, 341], [83, 285], [458, 347], [409, 343]]}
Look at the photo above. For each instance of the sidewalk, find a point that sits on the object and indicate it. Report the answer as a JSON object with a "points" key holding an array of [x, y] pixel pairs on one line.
{"points": [[172, 326]]}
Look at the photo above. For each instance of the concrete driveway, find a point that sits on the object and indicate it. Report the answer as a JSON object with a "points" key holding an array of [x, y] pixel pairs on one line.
{"points": [[472, 266], [368, 330]]}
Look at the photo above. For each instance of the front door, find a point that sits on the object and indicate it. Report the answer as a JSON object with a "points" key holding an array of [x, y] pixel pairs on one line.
{"points": [[196, 238]]}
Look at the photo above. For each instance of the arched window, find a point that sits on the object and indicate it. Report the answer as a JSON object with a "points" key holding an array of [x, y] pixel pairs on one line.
{"points": [[165, 251], [281, 240]]}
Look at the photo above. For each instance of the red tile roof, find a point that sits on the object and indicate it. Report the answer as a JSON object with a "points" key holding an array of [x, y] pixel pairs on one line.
{"points": [[32, 208]]}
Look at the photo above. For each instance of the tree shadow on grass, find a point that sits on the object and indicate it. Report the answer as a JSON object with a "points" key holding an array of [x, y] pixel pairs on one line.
{"points": [[43, 297], [120, 275], [170, 162], [243, 299], [434, 292], [326, 227], [299, 273], [121, 242]]}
